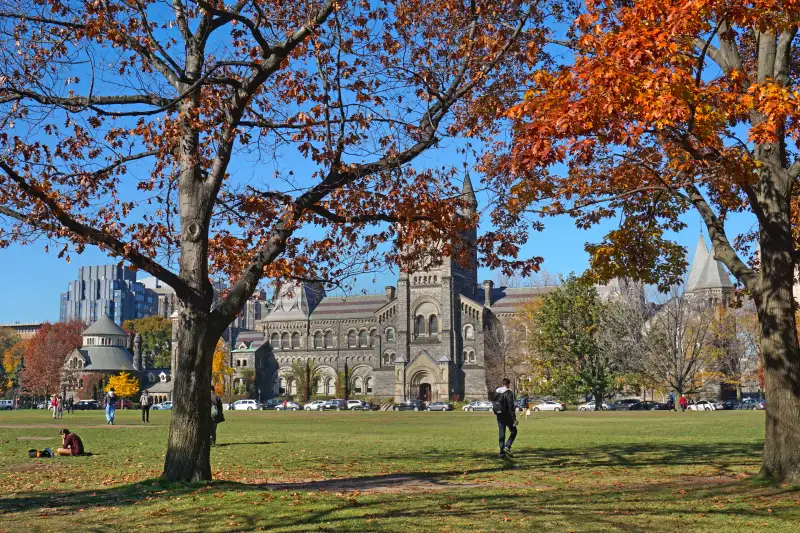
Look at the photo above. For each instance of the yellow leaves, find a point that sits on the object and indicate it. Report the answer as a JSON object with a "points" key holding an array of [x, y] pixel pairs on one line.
{"points": [[124, 385]]}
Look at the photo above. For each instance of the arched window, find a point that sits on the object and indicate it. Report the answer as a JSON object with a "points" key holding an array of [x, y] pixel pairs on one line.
{"points": [[419, 325], [281, 386], [469, 332], [274, 340], [471, 356], [295, 340], [284, 341], [293, 386], [329, 339], [389, 334], [433, 325], [318, 340], [363, 338], [319, 386], [352, 339], [368, 385], [373, 337], [393, 358], [358, 385], [386, 360], [329, 386]]}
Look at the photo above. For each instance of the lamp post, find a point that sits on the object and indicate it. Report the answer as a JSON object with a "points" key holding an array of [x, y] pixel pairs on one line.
{"points": [[259, 395]]}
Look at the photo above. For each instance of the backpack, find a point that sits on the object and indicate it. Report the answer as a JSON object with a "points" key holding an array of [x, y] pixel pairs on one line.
{"points": [[499, 405]]}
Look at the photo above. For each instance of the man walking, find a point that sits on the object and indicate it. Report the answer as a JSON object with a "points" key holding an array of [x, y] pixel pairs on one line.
{"points": [[683, 403], [504, 409], [145, 402], [671, 402]]}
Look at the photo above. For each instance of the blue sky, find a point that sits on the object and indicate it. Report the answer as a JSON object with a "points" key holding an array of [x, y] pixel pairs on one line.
{"points": [[33, 279]]}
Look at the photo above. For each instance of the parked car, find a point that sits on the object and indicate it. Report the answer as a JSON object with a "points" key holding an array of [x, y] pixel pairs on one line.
{"points": [[288, 406], [334, 405], [727, 405], [41, 405], [439, 406], [357, 405], [87, 405], [316, 405], [761, 405], [270, 404], [410, 405], [163, 406], [8, 405], [123, 404], [648, 406], [749, 403], [589, 406], [549, 405], [624, 405], [246, 405], [481, 405], [702, 405]]}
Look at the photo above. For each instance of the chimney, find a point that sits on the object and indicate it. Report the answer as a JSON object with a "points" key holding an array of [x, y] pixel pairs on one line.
{"points": [[390, 292], [487, 293]]}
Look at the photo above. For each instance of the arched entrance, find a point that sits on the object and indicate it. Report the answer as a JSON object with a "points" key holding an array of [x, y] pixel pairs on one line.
{"points": [[424, 392]]}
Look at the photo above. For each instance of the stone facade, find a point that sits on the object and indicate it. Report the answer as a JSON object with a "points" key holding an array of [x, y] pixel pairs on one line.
{"points": [[423, 339]]}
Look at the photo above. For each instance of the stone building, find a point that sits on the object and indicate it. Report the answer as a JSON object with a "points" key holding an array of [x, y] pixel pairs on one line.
{"points": [[424, 338], [708, 283], [107, 350]]}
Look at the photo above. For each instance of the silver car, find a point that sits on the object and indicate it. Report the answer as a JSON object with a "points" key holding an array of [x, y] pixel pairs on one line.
{"points": [[288, 406]]}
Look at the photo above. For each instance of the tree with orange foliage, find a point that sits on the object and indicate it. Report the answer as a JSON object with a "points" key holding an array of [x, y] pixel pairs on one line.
{"points": [[121, 119], [221, 369], [45, 355], [12, 363], [669, 106]]}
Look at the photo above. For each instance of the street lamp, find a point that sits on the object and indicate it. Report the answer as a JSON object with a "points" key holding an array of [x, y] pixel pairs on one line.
{"points": [[259, 395]]}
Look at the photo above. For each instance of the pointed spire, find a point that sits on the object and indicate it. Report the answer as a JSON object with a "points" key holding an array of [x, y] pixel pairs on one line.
{"points": [[698, 264], [468, 193]]}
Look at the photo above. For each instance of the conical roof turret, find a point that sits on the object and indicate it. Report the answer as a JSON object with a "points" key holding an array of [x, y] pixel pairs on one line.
{"points": [[468, 193]]}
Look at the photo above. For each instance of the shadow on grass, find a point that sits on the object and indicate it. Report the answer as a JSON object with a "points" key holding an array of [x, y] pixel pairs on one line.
{"points": [[225, 444], [433, 496]]}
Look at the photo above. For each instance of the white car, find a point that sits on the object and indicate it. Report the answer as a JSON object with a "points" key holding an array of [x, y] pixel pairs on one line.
{"points": [[356, 405], [550, 405], [702, 405], [316, 405], [163, 406], [481, 405], [246, 405], [590, 407]]}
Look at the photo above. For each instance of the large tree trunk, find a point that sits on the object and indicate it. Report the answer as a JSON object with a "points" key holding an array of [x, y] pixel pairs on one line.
{"points": [[779, 346], [189, 446]]}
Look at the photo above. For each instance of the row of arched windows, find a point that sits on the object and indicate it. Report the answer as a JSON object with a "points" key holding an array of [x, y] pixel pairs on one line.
{"points": [[426, 326], [323, 385], [389, 358], [285, 340], [469, 357]]}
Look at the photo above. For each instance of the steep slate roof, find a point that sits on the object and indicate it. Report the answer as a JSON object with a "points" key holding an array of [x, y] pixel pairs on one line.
{"points": [[337, 307], [104, 327], [106, 358], [505, 300], [295, 302], [468, 193], [706, 272]]}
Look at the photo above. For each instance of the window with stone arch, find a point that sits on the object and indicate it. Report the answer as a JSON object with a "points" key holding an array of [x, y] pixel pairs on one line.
{"points": [[284, 341], [352, 339], [393, 359], [389, 334], [433, 325], [363, 338], [330, 386], [292, 387], [358, 385], [373, 337], [329, 339], [295, 340], [281, 386], [469, 332], [319, 386], [318, 340], [419, 326], [471, 357], [368, 386], [274, 341], [386, 359]]}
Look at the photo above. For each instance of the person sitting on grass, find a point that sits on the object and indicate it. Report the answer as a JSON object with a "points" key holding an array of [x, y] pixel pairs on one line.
{"points": [[71, 444]]}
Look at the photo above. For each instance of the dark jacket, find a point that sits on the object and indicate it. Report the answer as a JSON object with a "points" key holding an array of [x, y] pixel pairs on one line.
{"points": [[507, 402], [216, 400]]}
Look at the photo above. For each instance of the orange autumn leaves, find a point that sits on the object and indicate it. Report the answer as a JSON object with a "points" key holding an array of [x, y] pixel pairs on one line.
{"points": [[654, 103]]}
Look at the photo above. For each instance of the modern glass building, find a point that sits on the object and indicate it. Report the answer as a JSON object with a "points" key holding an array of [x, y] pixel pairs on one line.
{"points": [[109, 290]]}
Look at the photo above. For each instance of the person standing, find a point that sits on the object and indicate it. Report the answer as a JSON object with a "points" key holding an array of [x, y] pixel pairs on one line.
{"points": [[54, 406], [504, 409], [683, 403], [216, 415], [71, 405], [671, 402], [111, 406], [60, 407], [145, 402]]}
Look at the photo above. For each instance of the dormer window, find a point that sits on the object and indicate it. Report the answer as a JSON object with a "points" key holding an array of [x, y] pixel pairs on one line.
{"points": [[163, 377]]}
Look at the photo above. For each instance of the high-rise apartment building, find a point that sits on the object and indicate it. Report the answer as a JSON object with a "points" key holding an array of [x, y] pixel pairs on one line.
{"points": [[109, 290]]}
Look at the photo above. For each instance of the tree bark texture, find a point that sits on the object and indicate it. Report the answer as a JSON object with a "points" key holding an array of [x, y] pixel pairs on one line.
{"points": [[779, 348]]}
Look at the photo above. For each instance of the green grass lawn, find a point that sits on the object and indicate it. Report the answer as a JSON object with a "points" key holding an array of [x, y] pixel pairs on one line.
{"points": [[414, 472]]}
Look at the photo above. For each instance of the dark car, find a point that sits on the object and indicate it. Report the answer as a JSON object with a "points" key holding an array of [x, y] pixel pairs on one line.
{"points": [[648, 406], [439, 406], [271, 404], [625, 405], [410, 405], [728, 405], [334, 405], [86, 405], [749, 403]]}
